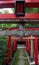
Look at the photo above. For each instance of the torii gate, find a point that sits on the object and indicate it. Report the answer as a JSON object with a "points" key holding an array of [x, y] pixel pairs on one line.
{"points": [[26, 4], [22, 17]]}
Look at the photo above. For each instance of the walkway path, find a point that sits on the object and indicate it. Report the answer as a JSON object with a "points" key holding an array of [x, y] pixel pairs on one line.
{"points": [[20, 58]]}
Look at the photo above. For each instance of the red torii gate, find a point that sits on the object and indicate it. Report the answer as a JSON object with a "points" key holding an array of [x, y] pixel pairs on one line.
{"points": [[28, 16], [27, 45], [28, 4]]}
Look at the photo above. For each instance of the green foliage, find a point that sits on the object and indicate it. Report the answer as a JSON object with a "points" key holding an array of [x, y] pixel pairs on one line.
{"points": [[6, 11], [3, 49], [31, 25], [32, 10], [17, 25], [8, 25]]}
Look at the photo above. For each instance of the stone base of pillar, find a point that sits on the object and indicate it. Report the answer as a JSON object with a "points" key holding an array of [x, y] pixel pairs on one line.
{"points": [[31, 59]]}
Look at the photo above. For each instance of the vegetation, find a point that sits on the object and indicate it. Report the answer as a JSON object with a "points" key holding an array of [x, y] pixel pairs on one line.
{"points": [[32, 10], [3, 49]]}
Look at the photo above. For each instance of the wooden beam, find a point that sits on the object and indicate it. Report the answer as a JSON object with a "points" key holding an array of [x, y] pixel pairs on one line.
{"points": [[11, 3], [28, 16], [21, 38]]}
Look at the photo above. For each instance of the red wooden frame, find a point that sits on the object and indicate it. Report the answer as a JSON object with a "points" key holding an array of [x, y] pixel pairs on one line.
{"points": [[36, 50], [27, 45], [25, 28], [8, 50], [15, 46], [28, 16], [10, 3]]}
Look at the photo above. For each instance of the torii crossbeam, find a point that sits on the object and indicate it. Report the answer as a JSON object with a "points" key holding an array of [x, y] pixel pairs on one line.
{"points": [[10, 3]]}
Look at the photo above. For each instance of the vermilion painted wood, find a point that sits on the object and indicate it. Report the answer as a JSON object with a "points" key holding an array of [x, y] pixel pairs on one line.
{"points": [[28, 46], [10, 3], [32, 28], [25, 28], [28, 16], [8, 50], [32, 3], [36, 50], [15, 46], [7, 4]]}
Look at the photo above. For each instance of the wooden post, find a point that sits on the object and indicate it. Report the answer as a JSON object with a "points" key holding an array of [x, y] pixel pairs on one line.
{"points": [[32, 50], [12, 47], [15, 46], [36, 50], [8, 51], [28, 46]]}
